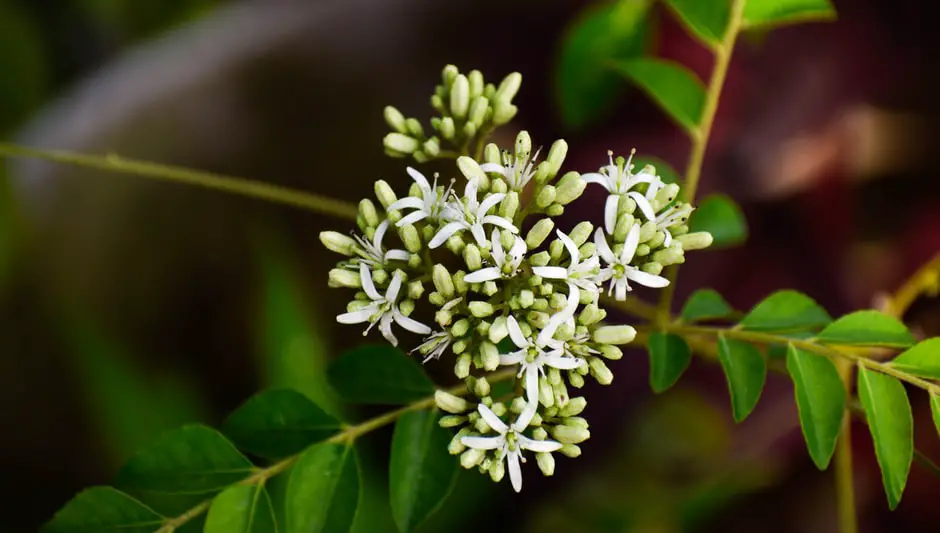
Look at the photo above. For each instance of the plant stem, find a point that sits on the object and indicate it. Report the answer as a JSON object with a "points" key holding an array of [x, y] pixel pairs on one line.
{"points": [[845, 485], [346, 436], [925, 280], [700, 136], [255, 189]]}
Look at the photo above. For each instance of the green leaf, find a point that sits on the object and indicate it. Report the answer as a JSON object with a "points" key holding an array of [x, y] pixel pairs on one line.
{"points": [[746, 371], [786, 310], [669, 357], [892, 428], [241, 509], [323, 491], [278, 423], [183, 468], [705, 304], [720, 215], [779, 12], [421, 473], [706, 20], [294, 349], [868, 328], [584, 84], [379, 374], [820, 399], [103, 510], [671, 85], [921, 360], [663, 169], [935, 410]]}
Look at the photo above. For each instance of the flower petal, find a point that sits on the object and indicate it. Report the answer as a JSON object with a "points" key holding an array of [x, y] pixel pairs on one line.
{"points": [[570, 246], [409, 323], [397, 255], [515, 471], [445, 233], [629, 246], [513, 358], [541, 446], [419, 179], [484, 274], [603, 248], [645, 207], [499, 255], [515, 333], [379, 234], [412, 217], [483, 443], [488, 203], [385, 327], [610, 212], [499, 221], [550, 272], [517, 252], [493, 167], [646, 279], [491, 419], [394, 286], [563, 362], [409, 202], [598, 178], [477, 231], [531, 396], [365, 275], [356, 317], [621, 288]]}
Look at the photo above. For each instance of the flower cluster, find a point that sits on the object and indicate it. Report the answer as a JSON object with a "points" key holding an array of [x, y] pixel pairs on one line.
{"points": [[500, 297]]}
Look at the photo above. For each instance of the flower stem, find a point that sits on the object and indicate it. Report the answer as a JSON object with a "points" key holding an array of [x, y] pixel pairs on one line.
{"points": [[346, 436], [845, 486], [255, 189], [700, 136]]}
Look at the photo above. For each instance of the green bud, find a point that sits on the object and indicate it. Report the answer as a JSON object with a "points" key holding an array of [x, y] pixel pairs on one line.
{"points": [[460, 328], [556, 249], [503, 112], [540, 259], [538, 319], [558, 301], [455, 244], [471, 255], [340, 277], [540, 304], [614, 334], [379, 276], [431, 147], [611, 352], [555, 210], [546, 197], [574, 407], [553, 375], [539, 232], [624, 223], [481, 309], [482, 387], [448, 128], [407, 306], [575, 379], [460, 97], [394, 119], [599, 370], [508, 207], [499, 186], [561, 394], [449, 403], [490, 288], [498, 330], [576, 422], [656, 240], [415, 128], [369, 215], [491, 154], [442, 281], [626, 205], [570, 187], [642, 250], [469, 129], [526, 298], [478, 110], [436, 298], [546, 393], [695, 241], [415, 290], [665, 196], [497, 471], [438, 104], [508, 87], [498, 408], [470, 169], [523, 145], [409, 236], [518, 404], [452, 421], [673, 255], [459, 284], [581, 232], [400, 143], [448, 74], [546, 463], [570, 435], [571, 451], [490, 355], [455, 447], [652, 268], [462, 368], [587, 249], [337, 242], [647, 230], [471, 457], [476, 83]]}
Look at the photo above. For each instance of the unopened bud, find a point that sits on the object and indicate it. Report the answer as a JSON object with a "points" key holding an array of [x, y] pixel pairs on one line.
{"points": [[546, 393], [695, 241], [546, 197], [540, 259], [614, 334], [560, 392], [491, 154], [590, 314], [449, 403], [460, 97], [498, 330], [581, 232], [570, 435], [647, 230], [481, 309], [503, 112], [569, 188], [462, 368], [394, 119], [442, 281], [368, 213], [414, 128], [555, 210], [571, 451], [471, 169], [556, 156], [489, 353], [401, 143], [471, 255], [665, 196], [526, 298], [448, 129], [337, 242], [455, 447], [431, 147], [448, 74], [478, 111], [476, 83], [642, 250], [452, 421], [575, 379], [539, 232], [546, 463], [574, 407], [497, 471], [652, 268], [471, 457], [611, 352], [508, 87], [508, 207], [523, 145], [482, 387], [340, 277], [601, 373], [409, 236]]}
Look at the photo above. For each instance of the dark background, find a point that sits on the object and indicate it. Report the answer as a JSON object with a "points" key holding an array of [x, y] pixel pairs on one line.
{"points": [[128, 307]]}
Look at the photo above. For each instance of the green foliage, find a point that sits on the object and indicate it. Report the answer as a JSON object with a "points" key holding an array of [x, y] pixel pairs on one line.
{"points": [[182, 468], [867, 328], [421, 473], [104, 510], [820, 399], [379, 374], [786, 310], [921, 360], [935, 410], [241, 509], [323, 492], [720, 215], [671, 85], [770, 13], [892, 428], [669, 357], [584, 84], [278, 423], [746, 372], [705, 304], [705, 20]]}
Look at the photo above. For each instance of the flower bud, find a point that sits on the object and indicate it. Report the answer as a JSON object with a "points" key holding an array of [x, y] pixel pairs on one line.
{"points": [[569, 188], [482, 387], [665, 196], [414, 128], [499, 187], [491, 154], [538, 319], [555, 210], [555, 249], [695, 241], [384, 193], [574, 407], [523, 145], [498, 408], [526, 298], [570, 435], [498, 330], [508, 88], [462, 368], [546, 463], [449, 403], [469, 129], [481, 309], [460, 97], [581, 232], [571, 451], [476, 83], [575, 379], [546, 393], [614, 334], [587, 249], [652, 268], [460, 328], [471, 457], [400, 143], [576, 422], [497, 471], [611, 352], [489, 353], [340, 277], [540, 259], [470, 169], [431, 147], [442, 281], [459, 284], [490, 288], [642, 250], [560, 392], [626, 205], [538, 233], [478, 109], [448, 74], [508, 207], [438, 104], [601, 373], [558, 301], [546, 197], [337, 242], [394, 119], [647, 230], [503, 112], [451, 421], [455, 447], [407, 306], [448, 128], [368, 213], [471, 255]]}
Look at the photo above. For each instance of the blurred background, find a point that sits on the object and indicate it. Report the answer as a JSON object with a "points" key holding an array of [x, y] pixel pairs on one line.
{"points": [[129, 307]]}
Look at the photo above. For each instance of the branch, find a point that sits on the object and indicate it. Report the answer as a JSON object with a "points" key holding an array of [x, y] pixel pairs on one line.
{"points": [[316, 203], [925, 280]]}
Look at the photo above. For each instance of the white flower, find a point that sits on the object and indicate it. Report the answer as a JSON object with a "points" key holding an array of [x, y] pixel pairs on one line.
{"points": [[382, 310], [677, 214], [468, 214], [373, 254], [507, 265], [433, 346], [535, 354], [581, 274], [619, 180], [619, 270], [430, 205], [510, 442], [516, 171]]}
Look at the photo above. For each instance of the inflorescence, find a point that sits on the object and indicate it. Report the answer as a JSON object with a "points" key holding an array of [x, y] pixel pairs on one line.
{"points": [[504, 296]]}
